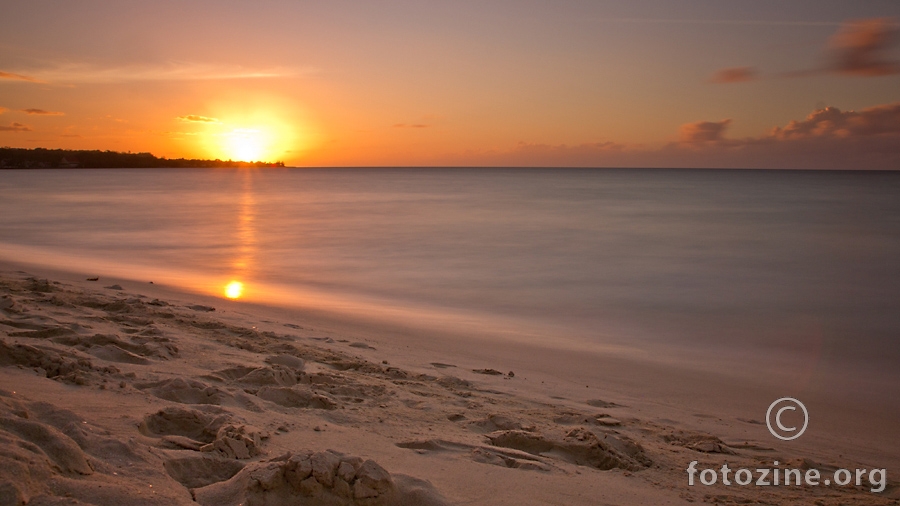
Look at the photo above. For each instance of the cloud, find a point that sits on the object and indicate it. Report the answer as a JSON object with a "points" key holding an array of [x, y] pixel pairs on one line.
{"points": [[3, 109], [194, 118], [831, 122], [859, 47], [41, 112], [828, 138], [15, 127], [18, 77], [165, 71], [734, 75], [414, 125], [703, 131], [697, 21]]}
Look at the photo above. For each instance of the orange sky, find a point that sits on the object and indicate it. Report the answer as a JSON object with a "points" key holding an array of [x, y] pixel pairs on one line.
{"points": [[804, 84]]}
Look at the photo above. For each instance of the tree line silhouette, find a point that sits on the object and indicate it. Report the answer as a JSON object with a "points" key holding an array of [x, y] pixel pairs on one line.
{"points": [[41, 158]]}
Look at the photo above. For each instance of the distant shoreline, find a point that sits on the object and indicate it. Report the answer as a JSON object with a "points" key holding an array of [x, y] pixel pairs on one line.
{"points": [[41, 158]]}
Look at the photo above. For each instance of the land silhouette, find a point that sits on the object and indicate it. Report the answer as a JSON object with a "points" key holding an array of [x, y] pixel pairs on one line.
{"points": [[41, 158]]}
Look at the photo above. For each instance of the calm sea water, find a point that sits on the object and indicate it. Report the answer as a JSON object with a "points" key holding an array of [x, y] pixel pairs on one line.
{"points": [[794, 263]]}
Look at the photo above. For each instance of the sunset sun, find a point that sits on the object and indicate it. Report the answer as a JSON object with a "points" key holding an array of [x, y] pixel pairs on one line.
{"points": [[250, 133], [247, 144]]}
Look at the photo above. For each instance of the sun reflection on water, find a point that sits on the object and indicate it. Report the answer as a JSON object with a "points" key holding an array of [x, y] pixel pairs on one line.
{"points": [[244, 259], [234, 290]]}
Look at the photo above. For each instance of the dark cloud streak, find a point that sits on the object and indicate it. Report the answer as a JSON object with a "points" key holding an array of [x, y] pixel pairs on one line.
{"points": [[734, 75], [15, 127], [859, 48], [42, 112], [703, 131]]}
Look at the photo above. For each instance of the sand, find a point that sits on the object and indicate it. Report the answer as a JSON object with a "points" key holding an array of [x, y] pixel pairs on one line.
{"points": [[122, 392]]}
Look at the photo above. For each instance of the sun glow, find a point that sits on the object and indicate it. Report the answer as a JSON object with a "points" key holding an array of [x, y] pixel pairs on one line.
{"points": [[234, 290], [252, 130], [248, 144]]}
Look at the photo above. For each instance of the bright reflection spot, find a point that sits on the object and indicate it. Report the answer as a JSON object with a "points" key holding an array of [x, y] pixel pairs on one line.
{"points": [[234, 289]]}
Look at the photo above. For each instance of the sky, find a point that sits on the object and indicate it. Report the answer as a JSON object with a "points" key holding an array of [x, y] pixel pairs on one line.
{"points": [[641, 83]]}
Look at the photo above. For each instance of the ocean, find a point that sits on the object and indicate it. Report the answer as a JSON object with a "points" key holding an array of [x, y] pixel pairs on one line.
{"points": [[800, 268]]}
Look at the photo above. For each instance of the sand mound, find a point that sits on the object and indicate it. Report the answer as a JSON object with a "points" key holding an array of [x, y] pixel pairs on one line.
{"points": [[215, 433], [198, 471], [235, 441], [509, 458], [486, 456], [39, 285], [580, 446], [113, 353], [495, 422], [190, 423], [230, 374], [276, 375], [288, 361], [40, 332], [119, 350], [25, 470], [597, 403], [697, 441], [320, 478], [7, 304], [33, 452], [296, 397], [185, 391], [56, 365], [65, 454]]}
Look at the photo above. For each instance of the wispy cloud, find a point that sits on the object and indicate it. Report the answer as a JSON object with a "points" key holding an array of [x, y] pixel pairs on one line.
{"points": [[860, 48], [3, 109], [15, 127], [413, 125], [18, 77], [741, 22], [734, 75], [194, 118], [168, 71], [42, 112]]}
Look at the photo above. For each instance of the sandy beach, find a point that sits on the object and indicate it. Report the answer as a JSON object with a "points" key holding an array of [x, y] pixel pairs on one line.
{"points": [[119, 391], [489, 253]]}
